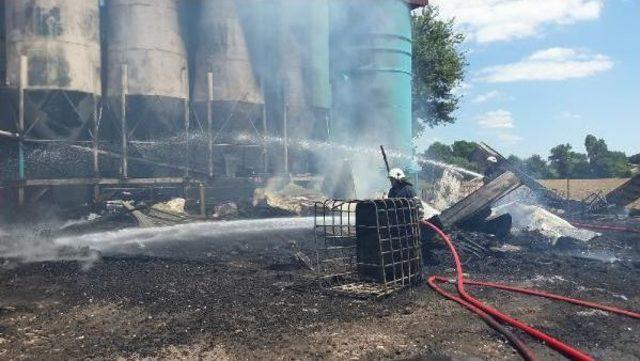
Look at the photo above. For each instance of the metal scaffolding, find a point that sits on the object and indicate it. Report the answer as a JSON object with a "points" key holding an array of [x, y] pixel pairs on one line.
{"points": [[101, 146]]}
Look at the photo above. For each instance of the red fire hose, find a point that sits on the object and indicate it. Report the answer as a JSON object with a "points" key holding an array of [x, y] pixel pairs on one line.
{"points": [[476, 305]]}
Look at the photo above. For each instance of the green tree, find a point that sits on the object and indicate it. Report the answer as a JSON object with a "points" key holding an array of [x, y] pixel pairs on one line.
{"points": [[635, 159], [604, 163], [596, 148], [581, 166], [463, 149], [560, 159], [459, 153], [538, 168], [616, 165], [439, 151], [438, 68], [516, 162], [567, 163]]}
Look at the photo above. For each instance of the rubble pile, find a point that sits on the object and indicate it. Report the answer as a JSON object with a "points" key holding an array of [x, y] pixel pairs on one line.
{"points": [[449, 189], [529, 218], [291, 199]]}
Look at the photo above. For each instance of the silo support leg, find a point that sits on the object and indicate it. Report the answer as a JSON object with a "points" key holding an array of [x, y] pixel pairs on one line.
{"points": [[203, 204]]}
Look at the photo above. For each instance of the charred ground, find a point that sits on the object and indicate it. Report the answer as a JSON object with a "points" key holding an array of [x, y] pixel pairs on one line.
{"points": [[247, 301]]}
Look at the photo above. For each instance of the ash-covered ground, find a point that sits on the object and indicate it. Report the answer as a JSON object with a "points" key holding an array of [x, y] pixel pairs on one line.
{"points": [[245, 297]]}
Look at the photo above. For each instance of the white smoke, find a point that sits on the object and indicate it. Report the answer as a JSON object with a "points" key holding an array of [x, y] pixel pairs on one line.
{"points": [[33, 246]]}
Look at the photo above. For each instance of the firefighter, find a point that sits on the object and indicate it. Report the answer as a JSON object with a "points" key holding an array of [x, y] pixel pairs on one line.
{"points": [[492, 169], [400, 187]]}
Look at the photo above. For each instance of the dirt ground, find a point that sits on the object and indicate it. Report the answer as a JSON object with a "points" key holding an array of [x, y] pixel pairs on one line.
{"points": [[582, 188], [244, 302]]}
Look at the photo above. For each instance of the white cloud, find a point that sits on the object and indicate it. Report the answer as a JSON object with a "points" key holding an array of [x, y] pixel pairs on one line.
{"points": [[567, 115], [491, 95], [462, 87], [481, 98], [549, 64], [487, 21], [497, 119]]}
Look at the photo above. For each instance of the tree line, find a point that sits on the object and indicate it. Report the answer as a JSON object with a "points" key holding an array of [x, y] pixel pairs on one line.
{"points": [[563, 161], [439, 64]]}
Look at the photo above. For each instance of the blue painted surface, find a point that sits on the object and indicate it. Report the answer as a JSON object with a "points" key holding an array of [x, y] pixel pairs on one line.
{"points": [[371, 73]]}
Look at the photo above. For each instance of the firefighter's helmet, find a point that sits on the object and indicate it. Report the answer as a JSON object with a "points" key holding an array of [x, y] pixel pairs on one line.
{"points": [[397, 174]]}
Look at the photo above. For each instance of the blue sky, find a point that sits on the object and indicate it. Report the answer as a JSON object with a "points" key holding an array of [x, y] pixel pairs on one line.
{"points": [[546, 72]]}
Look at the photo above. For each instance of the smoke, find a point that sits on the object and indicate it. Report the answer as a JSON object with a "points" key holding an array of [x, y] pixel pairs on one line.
{"points": [[32, 244], [329, 93], [24, 246], [335, 77]]}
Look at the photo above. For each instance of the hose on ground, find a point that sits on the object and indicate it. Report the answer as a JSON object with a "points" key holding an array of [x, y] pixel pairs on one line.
{"points": [[517, 343], [565, 349]]}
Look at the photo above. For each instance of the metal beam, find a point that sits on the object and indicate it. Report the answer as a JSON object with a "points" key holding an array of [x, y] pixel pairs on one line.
{"points": [[210, 122], [57, 182], [187, 119], [21, 159], [123, 121]]}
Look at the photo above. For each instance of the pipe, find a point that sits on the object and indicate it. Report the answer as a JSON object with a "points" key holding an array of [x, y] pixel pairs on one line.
{"points": [[559, 346]]}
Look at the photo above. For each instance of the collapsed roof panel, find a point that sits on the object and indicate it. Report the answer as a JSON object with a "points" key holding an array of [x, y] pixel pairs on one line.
{"points": [[626, 194]]}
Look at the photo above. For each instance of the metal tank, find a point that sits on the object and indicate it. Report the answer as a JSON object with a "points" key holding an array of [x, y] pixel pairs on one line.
{"points": [[3, 58], [221, 48], [305, 63], [57, 44], [146, 51], [371, 73], [304, 71], [61, 39], [371, 82]]}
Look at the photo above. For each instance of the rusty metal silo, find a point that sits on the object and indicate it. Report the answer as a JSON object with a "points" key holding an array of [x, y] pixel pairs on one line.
{"points": [[57, 45], [304, 71], [224, 84], [147, 55], [3, 57], [61, 39], [222, 49], [304, 63]]}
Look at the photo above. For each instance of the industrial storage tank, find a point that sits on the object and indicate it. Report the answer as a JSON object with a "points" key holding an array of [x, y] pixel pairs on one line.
{"points": [[305, 62], [304, 70], [221, 49], [371, 75], [3, 58], [61, 40], [145, 39], [288, 41]]}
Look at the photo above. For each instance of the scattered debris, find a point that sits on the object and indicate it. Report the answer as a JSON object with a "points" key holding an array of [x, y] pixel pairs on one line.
{"points": [[291, 199], [506, 248], [174, 206], [303, 260], [446, 191], [225, 211], [527, 218], [480, 200]]}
